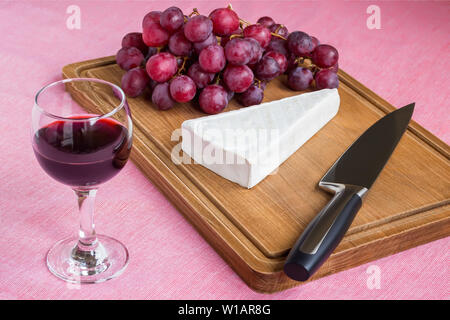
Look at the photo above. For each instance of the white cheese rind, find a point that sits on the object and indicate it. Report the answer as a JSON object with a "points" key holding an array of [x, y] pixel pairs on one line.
{"points": [[258, 138]]}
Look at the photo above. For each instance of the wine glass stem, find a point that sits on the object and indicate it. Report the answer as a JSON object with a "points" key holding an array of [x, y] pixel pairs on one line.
{"points": [[87, 239]]}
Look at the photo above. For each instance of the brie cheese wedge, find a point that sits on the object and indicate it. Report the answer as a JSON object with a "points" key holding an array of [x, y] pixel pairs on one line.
{"points": [[248, 144]]}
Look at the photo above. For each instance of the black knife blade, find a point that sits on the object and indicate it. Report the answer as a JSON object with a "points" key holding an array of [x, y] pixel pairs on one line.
{"points": [[349, 178]]}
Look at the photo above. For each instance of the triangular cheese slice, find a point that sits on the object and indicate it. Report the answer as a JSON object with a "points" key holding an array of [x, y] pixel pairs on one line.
{"points": [[248, 144]]}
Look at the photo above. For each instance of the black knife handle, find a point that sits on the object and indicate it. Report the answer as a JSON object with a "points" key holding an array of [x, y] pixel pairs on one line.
{"points": [[324, 232]]}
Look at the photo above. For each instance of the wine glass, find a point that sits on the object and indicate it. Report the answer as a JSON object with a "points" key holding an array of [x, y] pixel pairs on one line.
{"points": [[83, 150]]}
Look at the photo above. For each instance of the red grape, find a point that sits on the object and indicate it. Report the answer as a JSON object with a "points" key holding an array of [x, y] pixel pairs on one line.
{"points": [[280, 30], [172, 19], [230, 94], [199, 46], [225, 21], [257, 51], [266, 21], [182, 88], [162, 66], [212, 58], [198, 28], [150, 18], [200, 77], [278, 44], [180, 61], [134, 39], [315, 41], [213, 99], [280, 58], [238, 51], [154, 35], [326, 79], [151, 52], [335, 68], [259, 33], [179, 45], [253, 95], [152, 84], [134, 82], [267, 69], [161, 97], [129, 57], [300, 78], [238, 78], [325, 56], [300, 43]]}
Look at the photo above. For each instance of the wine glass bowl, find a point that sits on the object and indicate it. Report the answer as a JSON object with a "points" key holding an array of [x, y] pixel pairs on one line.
{"points": [[82, 150]]}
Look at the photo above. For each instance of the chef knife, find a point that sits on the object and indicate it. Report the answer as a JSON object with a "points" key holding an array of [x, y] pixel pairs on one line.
{"points": [[349, 179]]}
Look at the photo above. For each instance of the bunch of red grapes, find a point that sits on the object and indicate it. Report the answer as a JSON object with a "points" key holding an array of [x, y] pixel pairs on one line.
{"points": [[181, 58]]}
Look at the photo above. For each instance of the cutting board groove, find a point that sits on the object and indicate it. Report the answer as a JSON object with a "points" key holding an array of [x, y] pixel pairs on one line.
{"points": [[254, 229]]}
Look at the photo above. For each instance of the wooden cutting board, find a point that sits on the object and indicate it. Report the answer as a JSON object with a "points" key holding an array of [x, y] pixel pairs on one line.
{"points": [[253, 229]]}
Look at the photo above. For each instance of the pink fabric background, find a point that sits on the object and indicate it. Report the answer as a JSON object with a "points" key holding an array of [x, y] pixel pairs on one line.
{"points": [[407, 60]]}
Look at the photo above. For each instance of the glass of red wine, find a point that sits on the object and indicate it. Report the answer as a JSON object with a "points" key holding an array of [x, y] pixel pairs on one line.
{"points": [[83, 150]]}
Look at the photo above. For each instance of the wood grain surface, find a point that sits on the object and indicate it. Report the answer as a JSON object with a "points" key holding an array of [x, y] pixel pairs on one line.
{"points": [[254, 229]]}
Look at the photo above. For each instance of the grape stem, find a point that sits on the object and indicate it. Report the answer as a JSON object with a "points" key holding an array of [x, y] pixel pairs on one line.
{"points": [[277, 35], [217, 78], [194, 11], [236, 36], [299, 61], [306, 63], [181, 69], [244, 22]]}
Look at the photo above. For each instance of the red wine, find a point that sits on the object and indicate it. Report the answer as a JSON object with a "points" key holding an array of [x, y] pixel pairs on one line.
{"points": [[82, 153]]}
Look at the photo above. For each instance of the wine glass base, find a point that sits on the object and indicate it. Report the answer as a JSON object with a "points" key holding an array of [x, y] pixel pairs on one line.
{"points": [[110, 260]]}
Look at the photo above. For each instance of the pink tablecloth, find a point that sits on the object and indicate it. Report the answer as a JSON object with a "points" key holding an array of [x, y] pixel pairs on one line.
{"points": [[406, 60]]}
